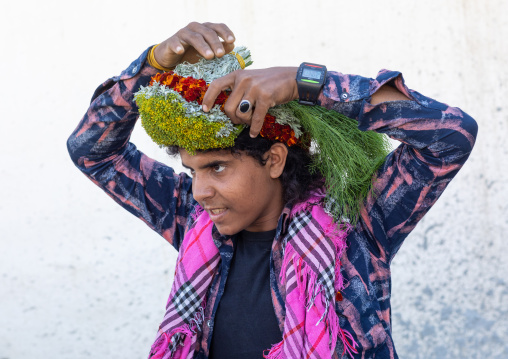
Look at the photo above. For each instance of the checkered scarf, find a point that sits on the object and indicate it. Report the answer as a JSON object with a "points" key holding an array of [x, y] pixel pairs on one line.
{"points": [[310, 273]]}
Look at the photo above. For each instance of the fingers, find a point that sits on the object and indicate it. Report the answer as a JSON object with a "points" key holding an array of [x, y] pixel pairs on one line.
{"points": [[243, 87], [258, 118], [223, 31], [174, 44], [238, 85], [231, 106], [194, 41], [204, 38], [221, 84]]}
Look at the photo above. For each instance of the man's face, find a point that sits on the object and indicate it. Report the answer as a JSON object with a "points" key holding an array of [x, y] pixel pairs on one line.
{"points": [[236, 191]]}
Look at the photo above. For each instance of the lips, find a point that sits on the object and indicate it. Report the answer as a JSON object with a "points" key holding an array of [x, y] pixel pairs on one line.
{"points": [[216, 213]]}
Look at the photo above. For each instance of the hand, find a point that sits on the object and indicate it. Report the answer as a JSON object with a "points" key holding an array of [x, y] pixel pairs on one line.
{"points": [[263, 88], [193, 40]]}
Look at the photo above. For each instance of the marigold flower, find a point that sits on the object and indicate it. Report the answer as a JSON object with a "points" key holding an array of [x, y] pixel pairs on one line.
{"points": [[165, 121]]}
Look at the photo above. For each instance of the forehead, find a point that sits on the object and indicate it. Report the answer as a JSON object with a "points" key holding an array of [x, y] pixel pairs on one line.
{"points": [[200, 158]]}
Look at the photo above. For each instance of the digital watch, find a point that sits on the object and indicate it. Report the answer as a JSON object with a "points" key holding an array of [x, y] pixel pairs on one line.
{"points": [[310, 79]]}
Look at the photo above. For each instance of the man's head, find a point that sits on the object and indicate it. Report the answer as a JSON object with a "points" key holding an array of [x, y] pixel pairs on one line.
{"points": [[246, 186]]}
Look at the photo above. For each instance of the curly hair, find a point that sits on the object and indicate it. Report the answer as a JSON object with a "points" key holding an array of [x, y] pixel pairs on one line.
{"points": [[298, 179]]}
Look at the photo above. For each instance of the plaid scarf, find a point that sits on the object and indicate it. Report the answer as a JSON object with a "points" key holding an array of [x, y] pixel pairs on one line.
{"points": [[310, 273]]}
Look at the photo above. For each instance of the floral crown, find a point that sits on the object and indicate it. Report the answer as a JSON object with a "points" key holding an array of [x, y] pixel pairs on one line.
{"points": [[171, 113]]}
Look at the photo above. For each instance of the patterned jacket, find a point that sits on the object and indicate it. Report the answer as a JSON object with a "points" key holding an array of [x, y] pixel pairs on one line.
{"points": [[435, 141]]}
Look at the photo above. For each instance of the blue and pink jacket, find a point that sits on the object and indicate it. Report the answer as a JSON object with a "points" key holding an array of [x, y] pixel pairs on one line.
{"points": [[436, 140]]}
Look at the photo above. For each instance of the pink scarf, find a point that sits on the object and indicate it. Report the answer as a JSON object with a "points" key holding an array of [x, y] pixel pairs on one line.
{"points": [[310, 273]]}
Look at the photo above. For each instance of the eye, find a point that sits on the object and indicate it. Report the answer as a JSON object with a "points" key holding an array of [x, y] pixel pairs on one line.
{"points": [[219, 168]]}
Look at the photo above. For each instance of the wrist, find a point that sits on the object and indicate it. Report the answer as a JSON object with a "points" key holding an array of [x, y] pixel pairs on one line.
{"points": [[154, 60], [292, 71]]}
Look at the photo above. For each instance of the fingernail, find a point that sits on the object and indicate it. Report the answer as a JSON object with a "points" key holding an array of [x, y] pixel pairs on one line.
{"points": [[252, 136], [231, 38], [205, 108], [209, 53], [220, 51], [179, 49]]}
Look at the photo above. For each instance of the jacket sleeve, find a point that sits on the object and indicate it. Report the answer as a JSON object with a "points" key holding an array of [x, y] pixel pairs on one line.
{"points": [[436, 140], [100, 148]]}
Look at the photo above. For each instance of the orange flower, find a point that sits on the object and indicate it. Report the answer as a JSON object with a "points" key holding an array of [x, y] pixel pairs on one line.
{"points": [[192, 89], [170, 79], [222, 98], [277, 132], [180, 86]]}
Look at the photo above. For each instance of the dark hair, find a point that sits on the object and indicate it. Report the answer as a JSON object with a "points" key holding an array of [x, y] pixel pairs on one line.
{"points": [[298, 178]]}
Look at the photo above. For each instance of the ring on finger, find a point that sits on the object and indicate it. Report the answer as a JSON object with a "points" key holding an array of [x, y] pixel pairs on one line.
{"points": [[244, 106]]}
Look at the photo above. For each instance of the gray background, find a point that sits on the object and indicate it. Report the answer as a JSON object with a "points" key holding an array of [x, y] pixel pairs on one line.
{"points": [[80, 277]]}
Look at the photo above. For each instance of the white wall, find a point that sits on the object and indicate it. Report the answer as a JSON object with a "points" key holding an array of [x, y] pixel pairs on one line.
{"points": [[80, 277]]}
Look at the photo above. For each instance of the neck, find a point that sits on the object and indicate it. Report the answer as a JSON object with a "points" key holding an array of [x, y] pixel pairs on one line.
{"points": [[272, 214]]}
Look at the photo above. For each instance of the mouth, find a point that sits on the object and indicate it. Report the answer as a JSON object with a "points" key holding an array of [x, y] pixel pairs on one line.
{"points": [[216, 213]]}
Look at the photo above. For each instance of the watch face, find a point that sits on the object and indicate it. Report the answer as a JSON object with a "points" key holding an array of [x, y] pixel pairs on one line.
{"points": [[312, 74]]}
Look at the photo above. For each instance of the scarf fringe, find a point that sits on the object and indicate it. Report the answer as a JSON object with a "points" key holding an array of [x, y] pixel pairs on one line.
{"points": [[275, 352], [315, 199], [349, 348], [310, 289], [338, 233], [306, 280], [179, 339]]}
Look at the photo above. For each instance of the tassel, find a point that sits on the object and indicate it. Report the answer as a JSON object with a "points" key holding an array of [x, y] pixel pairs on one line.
{"points": [[337, 332], [187, 342], [275, 352], [344, 335], [316, 197], [179, 339], [160, 346], [312, 293], [333, 326]]}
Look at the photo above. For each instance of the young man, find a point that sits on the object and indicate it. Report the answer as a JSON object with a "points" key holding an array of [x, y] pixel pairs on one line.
{"points": [[263, 268]]}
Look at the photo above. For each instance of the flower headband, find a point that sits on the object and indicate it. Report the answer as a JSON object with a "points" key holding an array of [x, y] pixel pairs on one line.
{"points": [[171, 113]]}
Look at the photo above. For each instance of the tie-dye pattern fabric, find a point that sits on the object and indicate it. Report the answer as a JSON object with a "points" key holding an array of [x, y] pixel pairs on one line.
{"points": [[435, 141]]}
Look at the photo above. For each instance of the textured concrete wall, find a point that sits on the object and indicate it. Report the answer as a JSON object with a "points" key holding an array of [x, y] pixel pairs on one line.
{"points": [[81, 278]]}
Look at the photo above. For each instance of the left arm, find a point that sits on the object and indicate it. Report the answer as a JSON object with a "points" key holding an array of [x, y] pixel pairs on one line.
{"points": [[436, 140]]}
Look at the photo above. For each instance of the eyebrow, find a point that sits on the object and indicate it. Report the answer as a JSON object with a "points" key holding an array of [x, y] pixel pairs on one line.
{"points": [[207, 165]]}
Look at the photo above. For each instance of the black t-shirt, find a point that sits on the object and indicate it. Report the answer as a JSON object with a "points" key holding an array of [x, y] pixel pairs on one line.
{"points": [[245, 322]]}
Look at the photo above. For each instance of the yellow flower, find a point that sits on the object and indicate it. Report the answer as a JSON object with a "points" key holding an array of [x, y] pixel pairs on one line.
{"points": [[164, 120]]}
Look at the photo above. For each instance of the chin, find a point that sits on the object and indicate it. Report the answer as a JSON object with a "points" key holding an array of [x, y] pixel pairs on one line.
{"points": [[227, 230]]}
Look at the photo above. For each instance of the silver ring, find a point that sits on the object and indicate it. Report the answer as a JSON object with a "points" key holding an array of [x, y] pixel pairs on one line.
{"points": [[244, 106]]}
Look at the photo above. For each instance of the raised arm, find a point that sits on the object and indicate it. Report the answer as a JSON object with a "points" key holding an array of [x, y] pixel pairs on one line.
{"points": [[436, 140], [100, 145]]}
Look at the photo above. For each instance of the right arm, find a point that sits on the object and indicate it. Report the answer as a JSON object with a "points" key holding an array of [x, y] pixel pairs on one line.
{"points": [[100, 148], [100, 145]]}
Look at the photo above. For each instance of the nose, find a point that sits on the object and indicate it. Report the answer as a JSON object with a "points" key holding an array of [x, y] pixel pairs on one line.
{"points": [[202, 189]]}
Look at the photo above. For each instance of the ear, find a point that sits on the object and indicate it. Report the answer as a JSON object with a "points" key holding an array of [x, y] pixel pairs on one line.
{"points": [[278, 154]]}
